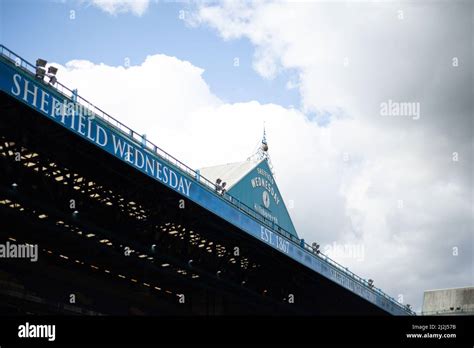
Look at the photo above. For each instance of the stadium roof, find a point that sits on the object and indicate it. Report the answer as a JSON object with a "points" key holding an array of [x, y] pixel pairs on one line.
{"points": [[231, 173]]}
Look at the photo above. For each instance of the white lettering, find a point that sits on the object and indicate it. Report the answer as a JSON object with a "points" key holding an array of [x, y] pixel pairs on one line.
{"points": [[149, 166], [56, 108], [81, 125], [128, 154], [44, 102], [392, 108], [100, 131], [173, 179], [165, 174], [89, 130], [188, 186], [158, 171], [139, 159], [118, 145], [37, 331], [16, 82], [34, 93]]}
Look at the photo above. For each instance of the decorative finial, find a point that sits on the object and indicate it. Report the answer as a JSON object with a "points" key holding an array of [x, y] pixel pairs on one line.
{"points": [[262, 151], [264, 140]]}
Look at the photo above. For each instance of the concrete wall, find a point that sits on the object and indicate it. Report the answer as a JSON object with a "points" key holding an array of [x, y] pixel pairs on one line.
{"points": [[458, 301]]}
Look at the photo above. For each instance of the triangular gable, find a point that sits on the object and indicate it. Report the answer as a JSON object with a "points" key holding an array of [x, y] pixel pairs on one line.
{"points": [[252, 183], [258, 190]]}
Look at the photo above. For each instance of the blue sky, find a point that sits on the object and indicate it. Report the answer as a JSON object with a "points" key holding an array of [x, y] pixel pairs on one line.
{"points": [[33, 28]]}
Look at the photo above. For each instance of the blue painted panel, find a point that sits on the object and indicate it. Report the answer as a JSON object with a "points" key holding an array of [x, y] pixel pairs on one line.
{"points": [[258, 190]]}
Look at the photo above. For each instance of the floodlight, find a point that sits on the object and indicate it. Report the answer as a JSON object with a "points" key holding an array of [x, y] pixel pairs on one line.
{"points": [[41, 63], [52, 70], [40, 72]]}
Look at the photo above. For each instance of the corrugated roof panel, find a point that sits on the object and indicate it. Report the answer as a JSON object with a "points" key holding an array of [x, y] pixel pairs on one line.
{"points": [[231, 173]]}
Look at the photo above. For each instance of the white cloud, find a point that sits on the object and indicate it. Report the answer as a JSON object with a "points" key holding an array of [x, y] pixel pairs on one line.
{"points": [[399, 193], [156, 97], [387, 183], [114, 7]]}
